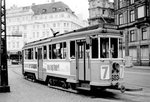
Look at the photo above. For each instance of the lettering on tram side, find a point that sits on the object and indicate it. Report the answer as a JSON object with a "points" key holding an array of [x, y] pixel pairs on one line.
{"points": [[30, 66], [62, 68], [53, 67]]}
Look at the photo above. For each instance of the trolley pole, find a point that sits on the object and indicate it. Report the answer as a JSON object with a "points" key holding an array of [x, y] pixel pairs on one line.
{"points": [[4, 87]]}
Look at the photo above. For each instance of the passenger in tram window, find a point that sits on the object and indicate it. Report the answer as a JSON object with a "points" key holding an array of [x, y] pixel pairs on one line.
{"points": [[54, 54], [72, 57], [114, 48], [59, 55], [104, 47], [112, 52]]}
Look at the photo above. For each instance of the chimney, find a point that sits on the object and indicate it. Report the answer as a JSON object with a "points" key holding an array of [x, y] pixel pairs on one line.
{"points": [[52, 1]]}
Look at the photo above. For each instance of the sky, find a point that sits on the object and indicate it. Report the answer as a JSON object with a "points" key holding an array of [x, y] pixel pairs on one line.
{"points": [[78, 6]]}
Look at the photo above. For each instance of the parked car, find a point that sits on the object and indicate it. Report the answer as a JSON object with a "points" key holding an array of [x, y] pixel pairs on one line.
{"points": [[15, 62]]}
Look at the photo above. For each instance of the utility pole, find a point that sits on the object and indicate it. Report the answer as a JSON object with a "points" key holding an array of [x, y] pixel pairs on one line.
{"points": [[4, 87]]}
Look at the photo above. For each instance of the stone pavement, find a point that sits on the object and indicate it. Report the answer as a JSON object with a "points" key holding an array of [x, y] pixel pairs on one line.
{"points": [[128, 87]]}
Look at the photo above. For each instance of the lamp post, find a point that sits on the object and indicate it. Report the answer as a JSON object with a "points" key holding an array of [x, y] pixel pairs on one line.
{"points": [[4, 87]]}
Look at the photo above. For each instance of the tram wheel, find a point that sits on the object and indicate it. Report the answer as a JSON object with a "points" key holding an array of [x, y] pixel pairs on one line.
{"points": [[33, 78], [72, 86], [93, 89], [122, 88], [64, 84], [50, 82]]}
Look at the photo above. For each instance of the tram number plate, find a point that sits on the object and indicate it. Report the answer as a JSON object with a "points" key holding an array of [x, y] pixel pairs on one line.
{"points": [[115, 77]]}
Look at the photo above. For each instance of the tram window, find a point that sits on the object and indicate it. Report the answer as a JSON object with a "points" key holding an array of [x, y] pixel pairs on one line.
{"points": [[45, 52], [120, 49], [50, 52], [35, 51], [87, 46], [29, 53], [26, 54], [72, 49], [64, 50], [114, 47], [95, 48], [104, 47], [58, 51], [54, 51], [81, 50]]}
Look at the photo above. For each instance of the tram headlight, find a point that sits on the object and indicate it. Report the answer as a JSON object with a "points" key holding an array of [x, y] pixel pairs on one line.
{"points": [[115, 67]]}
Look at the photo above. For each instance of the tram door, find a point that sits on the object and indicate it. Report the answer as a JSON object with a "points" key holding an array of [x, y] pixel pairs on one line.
{"points": [[82, 61], [40, 64]]}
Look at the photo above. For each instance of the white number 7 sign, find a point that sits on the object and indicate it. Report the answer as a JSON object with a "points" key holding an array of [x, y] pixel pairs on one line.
{"points": [[104, 72]]}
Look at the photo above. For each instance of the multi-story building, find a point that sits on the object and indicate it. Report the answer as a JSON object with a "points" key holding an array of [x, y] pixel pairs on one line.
{"points": [[37, 22], [133, 17], [101, 11]]}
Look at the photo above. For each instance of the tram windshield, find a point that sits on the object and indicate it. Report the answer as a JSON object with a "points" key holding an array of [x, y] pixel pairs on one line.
{"points": [[109, 47]]}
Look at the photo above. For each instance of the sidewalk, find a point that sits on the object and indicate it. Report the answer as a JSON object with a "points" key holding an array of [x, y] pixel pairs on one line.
{"points": [[142, 67], [139, 67]]}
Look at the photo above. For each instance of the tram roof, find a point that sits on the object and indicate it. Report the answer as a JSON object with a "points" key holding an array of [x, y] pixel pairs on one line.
{"points": [[109, 27]]}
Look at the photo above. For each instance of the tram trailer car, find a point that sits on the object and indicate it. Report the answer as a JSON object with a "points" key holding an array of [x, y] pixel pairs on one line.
{"points": [[89, 58]]}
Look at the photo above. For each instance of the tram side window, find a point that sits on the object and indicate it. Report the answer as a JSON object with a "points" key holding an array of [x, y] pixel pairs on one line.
{"points": [[114, 47], [72, 49], [64, 50], [29, 53], [59, 51], [81, 50], [54, 51], [104, 47], [35, 51], [95, 48], [45, 52], [120, 55], [50, 52]]}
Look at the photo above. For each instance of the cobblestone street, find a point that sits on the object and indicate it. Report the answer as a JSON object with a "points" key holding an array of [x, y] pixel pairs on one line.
{"points": [[26, 91]]}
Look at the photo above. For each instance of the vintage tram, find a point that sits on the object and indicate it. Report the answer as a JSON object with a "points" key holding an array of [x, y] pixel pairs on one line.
{"points": [[89, 58]]}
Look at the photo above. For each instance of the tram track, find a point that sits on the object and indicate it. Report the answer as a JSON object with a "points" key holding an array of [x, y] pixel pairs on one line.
{"points": [[133, 93]]}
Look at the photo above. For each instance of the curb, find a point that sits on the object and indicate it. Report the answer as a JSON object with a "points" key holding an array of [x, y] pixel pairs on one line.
{"points": [[138, 89]]}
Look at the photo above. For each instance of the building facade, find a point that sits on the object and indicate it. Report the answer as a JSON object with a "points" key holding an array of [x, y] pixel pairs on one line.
{"points": [[101, 11], [133, 17], [30, 23]]}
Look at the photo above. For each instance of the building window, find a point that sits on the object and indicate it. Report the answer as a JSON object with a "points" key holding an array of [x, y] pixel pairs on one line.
{"points": [[141, 12], [132, 36], [144, 33], [44, 11], [54, 9], [103, 11], [120, 3], [43, 34], [132, 16], [33, 34], [37, 35], [54, 24], [131, 1], [120, 19]]}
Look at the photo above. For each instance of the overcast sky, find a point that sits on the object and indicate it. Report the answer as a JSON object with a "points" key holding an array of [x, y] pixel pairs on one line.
{"points": [[78, 6]]}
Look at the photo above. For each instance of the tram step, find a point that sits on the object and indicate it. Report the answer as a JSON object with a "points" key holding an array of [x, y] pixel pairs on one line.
{"points": [[83, 88]]}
